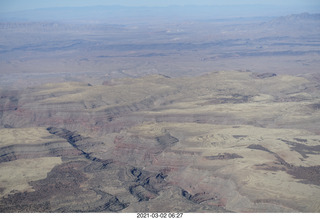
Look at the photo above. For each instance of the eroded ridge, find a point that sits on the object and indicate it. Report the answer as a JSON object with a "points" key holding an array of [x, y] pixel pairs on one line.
{"points": [[193, 144]]}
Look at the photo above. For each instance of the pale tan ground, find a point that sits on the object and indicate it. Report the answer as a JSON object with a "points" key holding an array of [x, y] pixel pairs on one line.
{"points": [[211, 115], [27, 136], [242, 181], [16, 175]]}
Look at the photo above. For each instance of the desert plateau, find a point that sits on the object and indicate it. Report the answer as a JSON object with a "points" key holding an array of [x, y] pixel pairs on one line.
{"points": [[194, 114]]}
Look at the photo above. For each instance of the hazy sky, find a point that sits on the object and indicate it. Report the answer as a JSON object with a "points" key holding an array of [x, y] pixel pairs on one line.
{"points": [[17, 5]]}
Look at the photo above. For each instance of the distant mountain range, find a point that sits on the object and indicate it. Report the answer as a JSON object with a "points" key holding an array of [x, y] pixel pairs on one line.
{"points": [[120, 14], [297, 18]]}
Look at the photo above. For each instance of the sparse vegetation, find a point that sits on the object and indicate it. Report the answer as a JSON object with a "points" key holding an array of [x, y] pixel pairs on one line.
{"points": [[134, 119]]}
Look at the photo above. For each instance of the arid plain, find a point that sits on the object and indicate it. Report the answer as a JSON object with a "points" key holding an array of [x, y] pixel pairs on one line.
{"points": [[209, 116]]}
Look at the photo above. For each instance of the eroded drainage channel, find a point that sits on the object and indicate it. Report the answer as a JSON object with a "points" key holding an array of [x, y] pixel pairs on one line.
{"points": [[79, 143]]}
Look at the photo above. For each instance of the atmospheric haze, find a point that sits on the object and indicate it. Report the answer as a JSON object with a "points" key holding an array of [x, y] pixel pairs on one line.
{"points": [[159, 106]]}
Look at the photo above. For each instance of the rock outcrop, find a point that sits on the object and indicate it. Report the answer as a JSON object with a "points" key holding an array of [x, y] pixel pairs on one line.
{"points": [[250, 144]]}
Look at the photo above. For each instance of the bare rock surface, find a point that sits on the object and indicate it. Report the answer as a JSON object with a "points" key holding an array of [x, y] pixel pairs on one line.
{"points": [[220, 142]]}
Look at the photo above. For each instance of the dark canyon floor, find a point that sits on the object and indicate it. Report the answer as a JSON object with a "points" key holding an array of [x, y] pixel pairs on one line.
{"points": [[155, 143], [159, 114]]}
